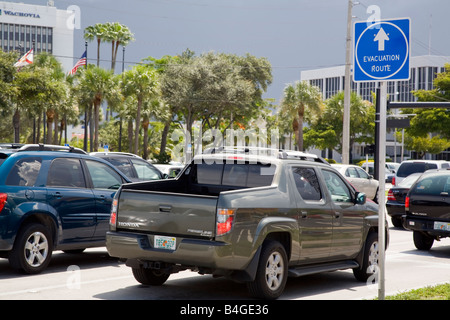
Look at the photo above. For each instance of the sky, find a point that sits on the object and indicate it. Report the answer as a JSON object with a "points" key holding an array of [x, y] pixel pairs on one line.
{"points": [[294, 35]]}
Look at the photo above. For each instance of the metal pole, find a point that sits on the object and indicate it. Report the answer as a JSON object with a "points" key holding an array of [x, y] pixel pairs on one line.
{"points": [[85, 109], [381, 191], [347, 89]]}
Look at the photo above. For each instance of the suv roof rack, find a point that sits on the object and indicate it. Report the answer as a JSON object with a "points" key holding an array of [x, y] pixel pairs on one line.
{"points": [[279, 153], [50, 147]]}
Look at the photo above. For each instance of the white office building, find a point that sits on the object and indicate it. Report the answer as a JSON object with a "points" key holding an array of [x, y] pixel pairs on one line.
{"points": [[423, 71], [47, 28]]}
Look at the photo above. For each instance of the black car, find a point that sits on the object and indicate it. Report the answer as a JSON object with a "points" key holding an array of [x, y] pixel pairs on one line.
{"points": [[133, 166], [395, 203], [427, 207]]}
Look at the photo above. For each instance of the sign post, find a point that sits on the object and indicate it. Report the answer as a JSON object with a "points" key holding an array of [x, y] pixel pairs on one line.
{"points": [[381, 53]]}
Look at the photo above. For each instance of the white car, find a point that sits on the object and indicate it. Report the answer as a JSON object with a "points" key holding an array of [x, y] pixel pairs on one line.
{"points": [[411, 166], [360, 179]]}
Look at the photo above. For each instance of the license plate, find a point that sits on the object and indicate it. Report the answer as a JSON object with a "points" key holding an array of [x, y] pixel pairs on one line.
{"points": [[163, 242], [445, 226]]}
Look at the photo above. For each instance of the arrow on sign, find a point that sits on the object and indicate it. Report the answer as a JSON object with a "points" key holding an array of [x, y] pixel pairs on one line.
{"points": [[381, 37]]}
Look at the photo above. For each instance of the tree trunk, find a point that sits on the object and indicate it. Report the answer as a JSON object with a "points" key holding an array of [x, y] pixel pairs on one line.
{"points": [[301, 114], [16, 126], [165, 132], [130, 135], [136, 129], [96, 123], [145, 124]]}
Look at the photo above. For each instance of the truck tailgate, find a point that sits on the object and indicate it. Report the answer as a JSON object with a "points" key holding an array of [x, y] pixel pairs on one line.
{"points": [[167, 213]]}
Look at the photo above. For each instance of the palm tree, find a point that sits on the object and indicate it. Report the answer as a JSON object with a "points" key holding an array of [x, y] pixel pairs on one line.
{"points": [[95, 84], [96, 31], [117, 34], [142, 82], [300, 100]]}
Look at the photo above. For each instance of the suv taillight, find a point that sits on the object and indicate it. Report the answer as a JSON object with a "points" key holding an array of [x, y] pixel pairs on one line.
{"points": [[225, 219], [3, 198]]}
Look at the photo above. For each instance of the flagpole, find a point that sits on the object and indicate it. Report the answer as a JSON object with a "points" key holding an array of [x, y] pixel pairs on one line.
{"points": [[85, 109]]}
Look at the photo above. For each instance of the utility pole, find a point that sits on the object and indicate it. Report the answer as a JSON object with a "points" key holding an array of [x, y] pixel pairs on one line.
{"points": [[347, 88]]}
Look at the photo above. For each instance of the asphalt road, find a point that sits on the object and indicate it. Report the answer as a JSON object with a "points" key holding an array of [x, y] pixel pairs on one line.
{"points": [[94, 275]]}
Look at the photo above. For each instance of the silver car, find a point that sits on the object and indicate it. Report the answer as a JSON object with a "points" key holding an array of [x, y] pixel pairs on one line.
{"points": [[360, 179]]}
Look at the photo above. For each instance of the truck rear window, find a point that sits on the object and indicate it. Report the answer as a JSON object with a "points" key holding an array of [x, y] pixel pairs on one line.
{"points": [[235, 175], [408, 168]]}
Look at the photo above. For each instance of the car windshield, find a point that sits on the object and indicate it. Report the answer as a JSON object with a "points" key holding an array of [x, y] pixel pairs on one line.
{"points": [[412, 167], [409, 180]]}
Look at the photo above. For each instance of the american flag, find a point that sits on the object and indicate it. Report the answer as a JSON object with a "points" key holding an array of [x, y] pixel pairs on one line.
{"points": [[79, 63]]}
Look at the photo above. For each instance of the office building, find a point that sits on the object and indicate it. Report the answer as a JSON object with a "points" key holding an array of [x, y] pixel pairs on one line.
{"points": [[47, 28]]}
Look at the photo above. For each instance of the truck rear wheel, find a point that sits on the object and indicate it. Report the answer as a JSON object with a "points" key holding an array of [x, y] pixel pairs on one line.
{"points": [[272, 272], [150, 277], [422, 241]]}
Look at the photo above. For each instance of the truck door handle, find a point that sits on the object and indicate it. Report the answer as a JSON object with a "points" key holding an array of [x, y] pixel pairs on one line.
{"points": [[304, 214], [101, 198], [165, 208], [337, 214]]}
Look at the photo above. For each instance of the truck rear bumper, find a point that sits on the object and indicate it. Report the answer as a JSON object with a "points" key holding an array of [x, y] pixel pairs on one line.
{"points": [[438, 228], [201, 253]]}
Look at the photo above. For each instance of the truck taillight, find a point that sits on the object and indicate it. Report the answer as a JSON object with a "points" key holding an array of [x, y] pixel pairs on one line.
{"points": [[3, 198], [407, 203], [393, 181], [113, 216], [225, 219]]}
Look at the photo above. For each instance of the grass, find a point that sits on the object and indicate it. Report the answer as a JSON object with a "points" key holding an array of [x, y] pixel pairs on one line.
{"points": [[438, 292]]}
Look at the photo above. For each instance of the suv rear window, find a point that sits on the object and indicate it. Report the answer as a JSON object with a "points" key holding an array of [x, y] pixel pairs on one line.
{"points": [[432, 186], [24, 172], [407, 168], [238, 175]]}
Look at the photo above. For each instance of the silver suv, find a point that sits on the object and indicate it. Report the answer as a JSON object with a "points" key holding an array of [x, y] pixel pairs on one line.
{"points": [[412, 166]]}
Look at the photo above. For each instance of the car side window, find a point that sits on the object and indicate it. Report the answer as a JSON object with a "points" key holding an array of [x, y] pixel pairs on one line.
{"points": [[65, 172], [122, 164], [351, 172], [307, 183], [145, 171], [362, 174], [336, 186], [103, 176], [24, 172]]}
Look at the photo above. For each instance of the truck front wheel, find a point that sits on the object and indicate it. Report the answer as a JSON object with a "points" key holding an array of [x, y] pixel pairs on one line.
{"points": [[272, 272], [150, 277]]}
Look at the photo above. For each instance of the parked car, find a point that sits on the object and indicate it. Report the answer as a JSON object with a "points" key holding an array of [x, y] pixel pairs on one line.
{"points": [[411, 166], [389, 171], [395, 203], [251, 218], [53, 200], [133, 166], [171, 170], [427, 207], [360, 179]]}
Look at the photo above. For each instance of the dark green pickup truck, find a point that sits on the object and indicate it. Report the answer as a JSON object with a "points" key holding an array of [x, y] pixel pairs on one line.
{"points": [[251, 218]]}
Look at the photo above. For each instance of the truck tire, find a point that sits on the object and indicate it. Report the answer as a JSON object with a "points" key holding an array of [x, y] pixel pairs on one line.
{"points": [[272, 272], [32, 249], [422, 241], [370, 258], [150, 277]]}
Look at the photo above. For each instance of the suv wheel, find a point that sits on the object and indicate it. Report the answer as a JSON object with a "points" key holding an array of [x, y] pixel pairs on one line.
{"points": [[370, 259], [32, 249], [272, 272], [422, 241]]}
